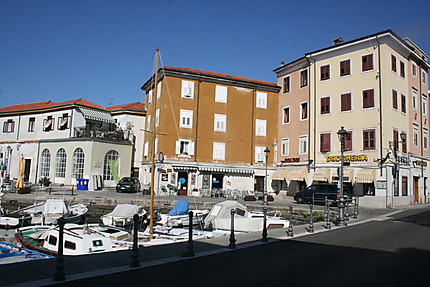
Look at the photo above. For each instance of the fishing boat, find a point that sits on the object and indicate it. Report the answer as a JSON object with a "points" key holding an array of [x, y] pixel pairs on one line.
{"points": [[245, 221], [10, 253], [78, 240], [178, 215], [49, 212], [122, 215]]}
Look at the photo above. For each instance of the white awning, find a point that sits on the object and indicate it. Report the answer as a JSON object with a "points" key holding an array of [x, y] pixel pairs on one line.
{"points": [[321, 174], [366, 176], [184, 167], [298, 174], [97, 115], [226, 170], [280, 174]]}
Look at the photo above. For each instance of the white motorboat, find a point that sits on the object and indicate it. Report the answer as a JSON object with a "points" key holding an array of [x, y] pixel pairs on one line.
{"points": [[78, 240], [50, 211], [245, 221], [122, 215], [178, 215]]}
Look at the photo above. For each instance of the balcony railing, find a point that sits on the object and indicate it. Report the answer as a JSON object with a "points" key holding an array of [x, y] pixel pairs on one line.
{"points": [[82, 132]]}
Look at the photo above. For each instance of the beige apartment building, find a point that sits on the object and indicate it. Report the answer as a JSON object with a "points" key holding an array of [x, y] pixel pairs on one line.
{"points": [[211, 130], [376, 87]]}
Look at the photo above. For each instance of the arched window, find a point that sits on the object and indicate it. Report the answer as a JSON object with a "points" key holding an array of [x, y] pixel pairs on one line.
{"points": [[78, 163], [111, 160], [61, 163], [45, 163]]}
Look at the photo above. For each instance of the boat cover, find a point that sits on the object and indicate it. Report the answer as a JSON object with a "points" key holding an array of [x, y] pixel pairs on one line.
{"points": [[222, 210], [125, 210], [180, 208], [55, 207]]}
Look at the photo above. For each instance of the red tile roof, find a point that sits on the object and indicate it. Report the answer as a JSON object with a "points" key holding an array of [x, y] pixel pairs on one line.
{"points": [[137, 106], [218, 75], [48, 104]]}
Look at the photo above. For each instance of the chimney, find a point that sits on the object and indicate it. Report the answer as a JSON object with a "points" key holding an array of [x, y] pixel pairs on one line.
{"points": [[282, 63], [337, 41]]}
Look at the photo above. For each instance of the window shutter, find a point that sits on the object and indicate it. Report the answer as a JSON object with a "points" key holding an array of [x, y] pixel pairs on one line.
{"points": [[145, 150], [191, 148], [393, 63], [178, 147], [5, 127], [404, 145], [325, 142], [345, 102], [394, 99], [348, 142]]}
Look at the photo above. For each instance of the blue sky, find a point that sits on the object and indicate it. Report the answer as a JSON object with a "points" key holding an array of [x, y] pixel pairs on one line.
{"points": [[103, 50]]}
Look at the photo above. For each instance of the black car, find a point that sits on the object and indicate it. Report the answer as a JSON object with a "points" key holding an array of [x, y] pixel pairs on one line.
{"points": [[128, 184], [317, 193]]}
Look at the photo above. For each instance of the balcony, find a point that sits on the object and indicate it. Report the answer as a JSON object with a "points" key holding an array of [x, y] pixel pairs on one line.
{"points": [[83, 132]]}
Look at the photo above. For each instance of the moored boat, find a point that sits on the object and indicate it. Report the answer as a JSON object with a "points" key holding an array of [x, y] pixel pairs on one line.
{"points": [[78, 240], [245, 221], [178, 215], [10, 253], [122, 215]]}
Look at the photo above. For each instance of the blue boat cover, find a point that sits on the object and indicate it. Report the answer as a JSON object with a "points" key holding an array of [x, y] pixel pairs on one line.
{"points": [[180, 208]]}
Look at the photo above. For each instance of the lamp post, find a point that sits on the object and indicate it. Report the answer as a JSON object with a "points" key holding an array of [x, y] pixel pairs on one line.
{"points": [[264, 239], [342, 134]]}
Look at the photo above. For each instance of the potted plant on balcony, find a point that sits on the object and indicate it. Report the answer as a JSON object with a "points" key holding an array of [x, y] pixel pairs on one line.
{"points": [[45, 181]]}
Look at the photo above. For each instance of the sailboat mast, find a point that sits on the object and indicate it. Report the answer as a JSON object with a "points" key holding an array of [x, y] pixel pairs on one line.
{"points": [[153, 140]]}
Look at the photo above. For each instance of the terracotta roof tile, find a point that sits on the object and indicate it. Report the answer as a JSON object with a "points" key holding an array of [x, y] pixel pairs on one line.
{"points": [[219, 75], [137, 106], [48, 104]]}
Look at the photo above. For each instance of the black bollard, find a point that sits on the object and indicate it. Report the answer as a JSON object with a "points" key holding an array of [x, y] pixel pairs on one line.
{"points": [[264, 234], [135, 250], [311, 219], [290, 223], [327, 214], [72, 189], [189, 252], [59, 262], [232, 244]]}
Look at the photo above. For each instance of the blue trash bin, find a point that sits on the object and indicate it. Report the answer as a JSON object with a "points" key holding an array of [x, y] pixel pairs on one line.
{"points": [[82, 184]]}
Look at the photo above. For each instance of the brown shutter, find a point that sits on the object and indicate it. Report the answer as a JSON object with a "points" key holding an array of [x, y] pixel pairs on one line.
{"points": [[394, 99], [404, 146], [348, 142], [402, 69], [325, 142], [345, 102], [396, 139], [393, 63], [403, 103]]}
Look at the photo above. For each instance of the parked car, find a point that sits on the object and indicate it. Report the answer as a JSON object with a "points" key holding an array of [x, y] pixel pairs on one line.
{"points": [[128, 184], [317, 193]]}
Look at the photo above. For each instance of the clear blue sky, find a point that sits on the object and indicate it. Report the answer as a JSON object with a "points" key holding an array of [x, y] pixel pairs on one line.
{"points": [[103, 50]]}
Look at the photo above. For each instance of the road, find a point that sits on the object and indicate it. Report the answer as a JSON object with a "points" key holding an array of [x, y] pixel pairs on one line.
{"points": [[393, 251]]}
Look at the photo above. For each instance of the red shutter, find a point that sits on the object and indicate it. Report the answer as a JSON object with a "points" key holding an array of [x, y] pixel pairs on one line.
{"points": [[396, 139], [348, 142], [394, 99], [325, 142], [325, 105], [345, 102], [368, 99], [345, 68], [368, 139]]}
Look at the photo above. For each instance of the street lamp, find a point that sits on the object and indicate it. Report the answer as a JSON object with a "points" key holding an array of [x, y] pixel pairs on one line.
{"points": [[342, 134], [264, 239]]}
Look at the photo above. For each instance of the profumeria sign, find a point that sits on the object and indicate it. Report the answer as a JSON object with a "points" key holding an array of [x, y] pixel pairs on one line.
{"points": [[347, 158]]}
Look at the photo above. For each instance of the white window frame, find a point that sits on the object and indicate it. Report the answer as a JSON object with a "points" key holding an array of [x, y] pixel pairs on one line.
{"points": [[260, 155], [186, 149], [285, 146], [221, 94], [329, 72], [414, 99], [188, 116], [423, 77], [157, 117], [220, 123], [373, 63], [148, 123], [301, 111], [260, 128], [150, 97], [187, 89], [303, 141], [158, 90], [415, 136], [283, 115], [425, 139], [218, 151], [424, 104], [261, 101], [289, 84], [414, 70]]}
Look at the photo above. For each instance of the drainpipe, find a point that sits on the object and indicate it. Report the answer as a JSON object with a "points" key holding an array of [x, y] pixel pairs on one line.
{"points": [[314, 109], [254, 94], [380, 102], [197, 116]]}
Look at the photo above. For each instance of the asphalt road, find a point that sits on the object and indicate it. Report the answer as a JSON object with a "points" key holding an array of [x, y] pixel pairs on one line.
{"points": [[394, 251]]}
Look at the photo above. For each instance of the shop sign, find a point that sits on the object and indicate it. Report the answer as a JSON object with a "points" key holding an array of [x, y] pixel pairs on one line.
{"points": [[347, 158], [164, 177], [381, 184], [420, 163], [291, 159], [402, 159]]}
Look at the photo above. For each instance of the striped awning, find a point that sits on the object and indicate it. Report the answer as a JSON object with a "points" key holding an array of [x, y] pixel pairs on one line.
{"points": [[280, 174], [226, 170], [321, 174], [347, 173], [184, 167], [366, 176], [298, 174], [97, 115]]}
